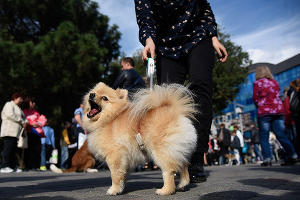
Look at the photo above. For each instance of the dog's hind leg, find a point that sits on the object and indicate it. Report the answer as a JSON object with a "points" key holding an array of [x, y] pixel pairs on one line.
{"points": [[118, 171], [184, 178], [169, 183], [168, 167], [88, 165]]}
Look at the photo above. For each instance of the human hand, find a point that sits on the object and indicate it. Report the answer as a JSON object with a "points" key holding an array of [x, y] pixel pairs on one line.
{"points": [[220, 49], [24, 124], [148, 49]]}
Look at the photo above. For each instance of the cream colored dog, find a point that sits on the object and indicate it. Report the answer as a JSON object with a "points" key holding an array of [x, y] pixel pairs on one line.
{"points": [[161, 116]]}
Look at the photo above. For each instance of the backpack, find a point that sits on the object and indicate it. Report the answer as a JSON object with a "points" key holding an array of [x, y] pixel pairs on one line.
{"points": [[294, 102]]}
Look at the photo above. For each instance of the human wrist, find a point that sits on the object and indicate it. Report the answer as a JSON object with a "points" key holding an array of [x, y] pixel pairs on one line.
{"points": [[149, 41], [214, 38]]}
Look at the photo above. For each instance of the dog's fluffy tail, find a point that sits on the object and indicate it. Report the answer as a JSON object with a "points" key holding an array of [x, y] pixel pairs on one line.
{"points": [[173, 95]]}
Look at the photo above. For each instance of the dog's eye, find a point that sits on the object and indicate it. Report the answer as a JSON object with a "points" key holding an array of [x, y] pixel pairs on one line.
{"points": [[104, 98]]}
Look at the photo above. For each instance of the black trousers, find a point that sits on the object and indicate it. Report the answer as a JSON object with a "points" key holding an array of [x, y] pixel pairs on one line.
{"points": [[197, 67], [33, 152], [297, 140], [9, 152]]}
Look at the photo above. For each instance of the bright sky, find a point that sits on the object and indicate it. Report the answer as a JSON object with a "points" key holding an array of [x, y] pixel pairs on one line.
{"points": [[269, 30]]}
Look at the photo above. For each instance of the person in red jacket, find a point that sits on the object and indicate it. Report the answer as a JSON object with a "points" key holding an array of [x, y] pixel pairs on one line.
{"points": [[266, 92], [290, 129]]}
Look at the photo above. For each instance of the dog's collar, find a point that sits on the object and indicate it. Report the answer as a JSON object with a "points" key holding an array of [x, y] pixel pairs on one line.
{"points": [[139, 138]]}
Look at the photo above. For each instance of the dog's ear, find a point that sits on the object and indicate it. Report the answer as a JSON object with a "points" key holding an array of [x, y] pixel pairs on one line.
{"points": [[123, 94]]}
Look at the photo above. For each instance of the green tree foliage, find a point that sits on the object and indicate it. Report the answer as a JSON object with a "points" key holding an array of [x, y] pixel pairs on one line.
{"points": [[229, 75], [140, 66], [54, 50]]}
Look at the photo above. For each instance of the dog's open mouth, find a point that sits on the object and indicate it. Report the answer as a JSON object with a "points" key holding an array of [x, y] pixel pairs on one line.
{"points": [[95, 109]]}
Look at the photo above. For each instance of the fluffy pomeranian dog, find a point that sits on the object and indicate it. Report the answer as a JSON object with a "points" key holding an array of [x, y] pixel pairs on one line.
{"points": [[161, 116]]}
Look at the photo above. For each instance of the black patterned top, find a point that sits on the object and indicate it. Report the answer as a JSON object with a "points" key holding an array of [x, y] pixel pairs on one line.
{"points": [[176, 26]]}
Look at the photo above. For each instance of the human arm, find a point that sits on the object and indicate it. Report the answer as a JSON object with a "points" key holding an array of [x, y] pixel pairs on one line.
{"points": [[9, 112], [77, 115], [147, 27], [208, 19], [78, 119], [66, 137], [220, 49], [52, 138]]}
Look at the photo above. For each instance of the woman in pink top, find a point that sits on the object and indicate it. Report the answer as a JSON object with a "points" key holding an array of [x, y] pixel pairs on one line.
{"points": [[270, 113], [32, 155]]}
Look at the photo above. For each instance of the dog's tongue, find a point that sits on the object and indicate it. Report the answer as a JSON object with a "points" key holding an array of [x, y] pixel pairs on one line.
{"points": [[93, 111]]}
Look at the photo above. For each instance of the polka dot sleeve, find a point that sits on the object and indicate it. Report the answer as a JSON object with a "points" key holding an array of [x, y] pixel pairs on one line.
{"points": [[209, 19], [145, 21]]}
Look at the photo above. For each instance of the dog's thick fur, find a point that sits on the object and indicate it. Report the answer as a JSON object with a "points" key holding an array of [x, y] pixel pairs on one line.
{"points": [[161, 115], [82, 161]]}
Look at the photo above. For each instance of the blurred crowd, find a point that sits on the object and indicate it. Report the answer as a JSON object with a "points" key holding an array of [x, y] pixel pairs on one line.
{"points": [[232, 147], [274, 138], [29, 142]]}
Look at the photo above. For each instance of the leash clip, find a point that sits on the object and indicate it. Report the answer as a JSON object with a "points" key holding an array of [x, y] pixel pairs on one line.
{"points": [[150, 71], [140, 142]]}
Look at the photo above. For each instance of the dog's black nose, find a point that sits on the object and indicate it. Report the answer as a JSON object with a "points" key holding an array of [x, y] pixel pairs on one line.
{"points": [[92, 96]]}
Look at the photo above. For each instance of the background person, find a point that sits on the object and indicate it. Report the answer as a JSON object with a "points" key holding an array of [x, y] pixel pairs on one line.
{"points": [[13, 120], [270, 113], [80, 132], [294, 96], [223, 138], [290, 128], [129, 79], [33, 152], [242, 143], [235, 146], [47, 146], [254, 140], [64, 142], [215, 150], [183, 34]]}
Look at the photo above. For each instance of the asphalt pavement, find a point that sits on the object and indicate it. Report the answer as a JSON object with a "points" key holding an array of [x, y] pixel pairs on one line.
{"points": [[246, 182]]}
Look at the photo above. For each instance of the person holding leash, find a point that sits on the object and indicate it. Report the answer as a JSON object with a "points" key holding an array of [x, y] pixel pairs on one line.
{"points": [[182, 36]]}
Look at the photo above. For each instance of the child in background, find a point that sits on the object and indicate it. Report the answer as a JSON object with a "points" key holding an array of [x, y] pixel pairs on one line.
{"points": [[235, 146]]}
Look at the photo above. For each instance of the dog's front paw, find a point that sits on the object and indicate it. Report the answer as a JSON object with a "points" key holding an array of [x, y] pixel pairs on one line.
{"points": [[164, 192], [113, 191]]}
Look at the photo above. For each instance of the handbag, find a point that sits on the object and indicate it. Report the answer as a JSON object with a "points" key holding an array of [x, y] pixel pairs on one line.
{"points": [[54, 157], [23, 140]]}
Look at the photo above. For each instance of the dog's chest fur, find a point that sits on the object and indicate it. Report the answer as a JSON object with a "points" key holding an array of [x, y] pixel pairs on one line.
{"points": [[118, 139]]}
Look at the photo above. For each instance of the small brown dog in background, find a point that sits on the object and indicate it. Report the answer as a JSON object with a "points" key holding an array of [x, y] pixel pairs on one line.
{"points": [[82, 161]]}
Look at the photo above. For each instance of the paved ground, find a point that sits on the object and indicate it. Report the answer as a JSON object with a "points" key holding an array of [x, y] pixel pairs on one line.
{"points": [[250, 182]]}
